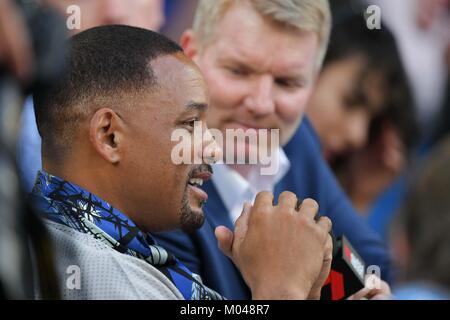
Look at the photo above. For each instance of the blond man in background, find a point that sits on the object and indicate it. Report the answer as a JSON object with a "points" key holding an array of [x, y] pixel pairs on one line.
{"points": [[260, 60]]}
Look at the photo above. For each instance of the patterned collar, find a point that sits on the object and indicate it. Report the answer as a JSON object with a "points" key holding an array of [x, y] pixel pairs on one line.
{"points": [[68, 204]]}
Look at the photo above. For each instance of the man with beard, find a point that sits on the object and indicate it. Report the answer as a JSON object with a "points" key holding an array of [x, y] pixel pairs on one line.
{"points": [[260, 60], [109, 181]]}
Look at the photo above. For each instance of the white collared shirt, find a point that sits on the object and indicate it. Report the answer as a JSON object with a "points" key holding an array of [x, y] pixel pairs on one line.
{"points": [[234, 189]]}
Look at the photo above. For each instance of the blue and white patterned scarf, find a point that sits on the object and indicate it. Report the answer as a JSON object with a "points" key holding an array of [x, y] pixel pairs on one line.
{"points": [[70, 205]]}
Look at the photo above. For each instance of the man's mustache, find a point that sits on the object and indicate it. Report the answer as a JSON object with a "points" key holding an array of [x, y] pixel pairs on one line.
{"points": [[202, 168]]}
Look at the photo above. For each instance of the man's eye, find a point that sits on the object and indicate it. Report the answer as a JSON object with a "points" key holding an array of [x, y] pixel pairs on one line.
{"points": [[238, 72], [190, 124], [289, 83]]}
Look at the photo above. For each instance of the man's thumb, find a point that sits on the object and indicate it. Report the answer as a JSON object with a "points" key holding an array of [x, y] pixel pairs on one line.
{"points": [[225, 240]]}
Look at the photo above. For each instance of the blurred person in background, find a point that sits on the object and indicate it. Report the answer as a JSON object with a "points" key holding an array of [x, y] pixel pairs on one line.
{"points": [[148, 14], [32, 48], [363, 111], [179, 16], [15, 42], [420, 237], [422, 30], [443, 126], [16, 60]]}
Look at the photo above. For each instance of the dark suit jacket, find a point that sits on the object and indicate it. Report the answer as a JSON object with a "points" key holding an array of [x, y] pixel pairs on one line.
{"points": [[309, 177]]}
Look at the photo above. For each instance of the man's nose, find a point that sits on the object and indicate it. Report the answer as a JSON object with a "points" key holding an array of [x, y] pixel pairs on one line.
{"points": [[261, 101], [211, 151]]}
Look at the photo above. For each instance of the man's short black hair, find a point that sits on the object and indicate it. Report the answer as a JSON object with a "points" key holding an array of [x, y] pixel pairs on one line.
{"points": [[105, 63]]}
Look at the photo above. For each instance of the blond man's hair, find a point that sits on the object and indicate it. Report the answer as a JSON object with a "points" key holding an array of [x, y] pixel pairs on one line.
{"points": [[304, 15]]}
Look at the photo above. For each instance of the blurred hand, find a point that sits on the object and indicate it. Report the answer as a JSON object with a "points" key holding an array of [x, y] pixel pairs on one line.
{"points": [[392, 150], [15, 45], [282, 253], [374, 168], [427, 11], [382, 293]]}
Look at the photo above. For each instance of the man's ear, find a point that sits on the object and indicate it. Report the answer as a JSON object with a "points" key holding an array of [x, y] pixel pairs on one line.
{"points": [[106, 134], [189, 44]]}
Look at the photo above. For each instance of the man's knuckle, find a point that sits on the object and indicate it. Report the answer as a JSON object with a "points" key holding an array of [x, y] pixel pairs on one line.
{"points": [[288, 194], [310, 204]]}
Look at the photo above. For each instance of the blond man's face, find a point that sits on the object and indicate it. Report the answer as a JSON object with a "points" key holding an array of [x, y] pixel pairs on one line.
{"points": [[259, 75]]}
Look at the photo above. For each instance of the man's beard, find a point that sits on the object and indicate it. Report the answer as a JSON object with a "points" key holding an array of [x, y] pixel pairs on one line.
{"points": [[190, 219]]}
